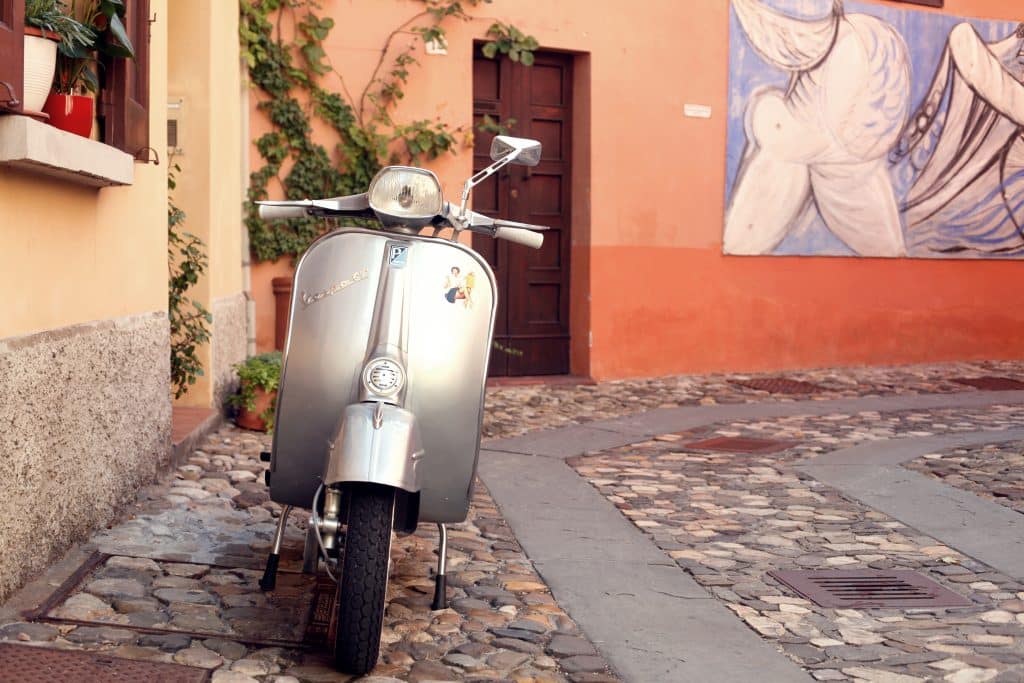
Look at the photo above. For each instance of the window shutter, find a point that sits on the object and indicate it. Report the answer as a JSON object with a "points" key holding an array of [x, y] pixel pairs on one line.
{"points": [[126, 88], [12, 54]]}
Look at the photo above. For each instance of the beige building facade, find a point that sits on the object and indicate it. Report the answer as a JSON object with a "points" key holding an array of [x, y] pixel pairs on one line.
{"points": [[85, 395]]}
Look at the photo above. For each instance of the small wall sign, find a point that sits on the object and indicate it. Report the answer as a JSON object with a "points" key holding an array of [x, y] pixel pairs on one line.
{"points": [[697, 111]]}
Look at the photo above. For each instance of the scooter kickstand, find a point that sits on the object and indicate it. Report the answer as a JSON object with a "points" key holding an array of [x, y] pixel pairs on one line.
{"points": [[269, 579], [440, 581]]}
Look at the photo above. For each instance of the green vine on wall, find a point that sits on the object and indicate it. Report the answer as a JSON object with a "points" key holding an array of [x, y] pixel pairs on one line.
{"points": [[290, 70], [186, 261]]}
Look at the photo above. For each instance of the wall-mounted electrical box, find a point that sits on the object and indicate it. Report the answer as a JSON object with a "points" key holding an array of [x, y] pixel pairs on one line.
{"points": [[175, 126]]}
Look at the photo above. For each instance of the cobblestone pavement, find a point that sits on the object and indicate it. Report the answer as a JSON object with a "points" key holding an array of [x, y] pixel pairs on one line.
{"points": [[995, 471], [502, 625], [730, 518], [725, 518], [514, 410]]}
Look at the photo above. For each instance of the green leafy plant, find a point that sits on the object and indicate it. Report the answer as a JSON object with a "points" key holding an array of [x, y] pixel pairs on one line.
{"points": [[186, 261], [261, 372], [510, 41], [288, 69], [104, 21], [52, 16]]}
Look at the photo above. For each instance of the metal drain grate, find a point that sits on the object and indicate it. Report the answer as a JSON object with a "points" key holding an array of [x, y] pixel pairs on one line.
{"points": [[739, 444], [869, 588], [780, 385], [991, 383], [319, 632], [28, 664]]}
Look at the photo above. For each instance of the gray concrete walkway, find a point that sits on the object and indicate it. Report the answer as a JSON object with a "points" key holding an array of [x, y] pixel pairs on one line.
{"points": [[648, 617]]}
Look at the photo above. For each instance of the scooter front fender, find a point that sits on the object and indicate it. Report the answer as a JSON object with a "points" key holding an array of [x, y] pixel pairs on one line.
{"points": [[376, 443]]}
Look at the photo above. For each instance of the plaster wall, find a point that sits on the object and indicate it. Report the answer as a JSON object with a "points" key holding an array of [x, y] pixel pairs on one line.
{"points": [[87, 421], [205, 72], [72, 254], [652, 292], [229, 344]]}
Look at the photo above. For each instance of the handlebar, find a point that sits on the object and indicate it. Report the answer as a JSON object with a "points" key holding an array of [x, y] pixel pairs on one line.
{"points": [[527, 238], [359, 206], [270, 212]]}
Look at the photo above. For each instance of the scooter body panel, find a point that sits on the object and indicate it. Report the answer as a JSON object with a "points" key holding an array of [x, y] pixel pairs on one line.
{"points": [[380, 447], [449, 300]]}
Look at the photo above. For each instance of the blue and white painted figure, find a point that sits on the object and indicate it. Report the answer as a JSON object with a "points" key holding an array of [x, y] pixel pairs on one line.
{"points": [[827, 156], [965, 148]]}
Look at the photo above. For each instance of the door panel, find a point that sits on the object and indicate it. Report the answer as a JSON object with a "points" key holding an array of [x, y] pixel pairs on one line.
{"points": [[532, 328]]}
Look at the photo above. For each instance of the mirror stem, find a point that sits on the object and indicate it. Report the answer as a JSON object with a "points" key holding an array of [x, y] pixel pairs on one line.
{"points": [[481, 176]]}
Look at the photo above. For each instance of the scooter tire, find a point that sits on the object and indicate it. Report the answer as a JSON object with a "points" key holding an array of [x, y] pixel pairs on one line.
{"points": [[364, 578]]}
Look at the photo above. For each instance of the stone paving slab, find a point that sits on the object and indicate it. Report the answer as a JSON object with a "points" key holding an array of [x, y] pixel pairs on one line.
{"points": [[977, 527], [517, 410], [653, 622], [611, 433]]}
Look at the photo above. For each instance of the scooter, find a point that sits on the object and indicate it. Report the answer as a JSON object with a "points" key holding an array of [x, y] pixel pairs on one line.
{"points": [[380, 403]]}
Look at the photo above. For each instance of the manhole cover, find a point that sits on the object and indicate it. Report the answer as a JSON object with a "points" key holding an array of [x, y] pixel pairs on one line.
{"points": [[869, 588], [991, 383], [27, 664], [739, 444], [780, 385]]}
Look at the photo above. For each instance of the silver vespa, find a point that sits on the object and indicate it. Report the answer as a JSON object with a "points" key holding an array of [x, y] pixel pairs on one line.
{"points": [[382, 389]]}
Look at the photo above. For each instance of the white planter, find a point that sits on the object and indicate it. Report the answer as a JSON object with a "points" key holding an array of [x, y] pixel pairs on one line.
{"points": [[40, 63]]}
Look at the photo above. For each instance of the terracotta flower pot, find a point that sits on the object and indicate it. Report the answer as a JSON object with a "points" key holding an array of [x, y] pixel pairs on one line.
{"points": [[73, 113], [40, 64], [250, 419]]}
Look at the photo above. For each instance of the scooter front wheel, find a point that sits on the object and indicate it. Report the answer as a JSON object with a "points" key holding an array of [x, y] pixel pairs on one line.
{"points": [[364, 577]]}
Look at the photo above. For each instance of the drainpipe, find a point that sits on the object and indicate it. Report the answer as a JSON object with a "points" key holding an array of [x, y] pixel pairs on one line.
{"points": [[250, 302]]}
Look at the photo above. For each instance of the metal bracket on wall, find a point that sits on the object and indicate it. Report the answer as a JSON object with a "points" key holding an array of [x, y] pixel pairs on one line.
{"points": [[12, 101]]}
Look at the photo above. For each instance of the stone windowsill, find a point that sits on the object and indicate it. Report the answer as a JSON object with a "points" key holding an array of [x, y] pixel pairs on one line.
{"points": [[35, 146]]}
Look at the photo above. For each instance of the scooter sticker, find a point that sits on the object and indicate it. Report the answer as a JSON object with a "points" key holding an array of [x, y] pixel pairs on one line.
{"points": [[310, 299], [459, 287], [398, 255]]}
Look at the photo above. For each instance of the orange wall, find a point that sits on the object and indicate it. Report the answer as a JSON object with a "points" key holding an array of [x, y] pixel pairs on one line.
{"points": [[652, 293]]}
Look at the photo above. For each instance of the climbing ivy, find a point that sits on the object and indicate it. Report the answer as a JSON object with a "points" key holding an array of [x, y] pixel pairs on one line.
{"points": [[290, 70], [508, 40]]}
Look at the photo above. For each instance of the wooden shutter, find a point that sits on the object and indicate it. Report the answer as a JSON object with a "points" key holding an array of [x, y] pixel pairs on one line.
{"points": [[126, 87], [12, 54]]}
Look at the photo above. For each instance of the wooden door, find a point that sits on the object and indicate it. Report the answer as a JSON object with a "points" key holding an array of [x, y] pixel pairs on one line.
{"points": [[532, 327]]}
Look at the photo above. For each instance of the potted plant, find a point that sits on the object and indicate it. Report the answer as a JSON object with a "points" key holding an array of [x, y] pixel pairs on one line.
{"points": [[71, 104], [46, 27], [256, 399]]}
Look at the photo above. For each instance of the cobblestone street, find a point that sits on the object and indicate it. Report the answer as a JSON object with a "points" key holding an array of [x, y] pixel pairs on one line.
{"points": [[175, 580], [728, 519]]}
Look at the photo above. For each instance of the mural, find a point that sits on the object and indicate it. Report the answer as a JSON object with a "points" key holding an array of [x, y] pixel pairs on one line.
{"points": [[864, 130]]}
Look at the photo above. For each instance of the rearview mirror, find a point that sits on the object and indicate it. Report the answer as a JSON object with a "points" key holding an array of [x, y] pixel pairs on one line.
{"points": [[522, 151]]}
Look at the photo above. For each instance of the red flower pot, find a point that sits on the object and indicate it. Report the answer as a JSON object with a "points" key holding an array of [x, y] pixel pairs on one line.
{"points": [[250, 419], [73, 113]]}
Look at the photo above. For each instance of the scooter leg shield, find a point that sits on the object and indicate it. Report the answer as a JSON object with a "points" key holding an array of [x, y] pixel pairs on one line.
{"points": [[377, 443]]}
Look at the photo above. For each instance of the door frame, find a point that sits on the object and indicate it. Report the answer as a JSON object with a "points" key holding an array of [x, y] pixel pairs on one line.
{"points": [[580, 337]]}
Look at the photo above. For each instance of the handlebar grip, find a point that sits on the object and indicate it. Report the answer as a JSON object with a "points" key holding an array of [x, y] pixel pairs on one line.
{"points": [[269, 212], [528, 238]]}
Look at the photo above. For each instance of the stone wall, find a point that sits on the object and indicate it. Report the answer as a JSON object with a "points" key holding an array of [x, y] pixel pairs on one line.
{"points": [[86, 417], [229, 345]]}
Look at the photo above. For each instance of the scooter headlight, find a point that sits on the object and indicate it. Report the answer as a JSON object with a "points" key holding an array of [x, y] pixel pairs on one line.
{"points": [[402, 194], [383, 376]]}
